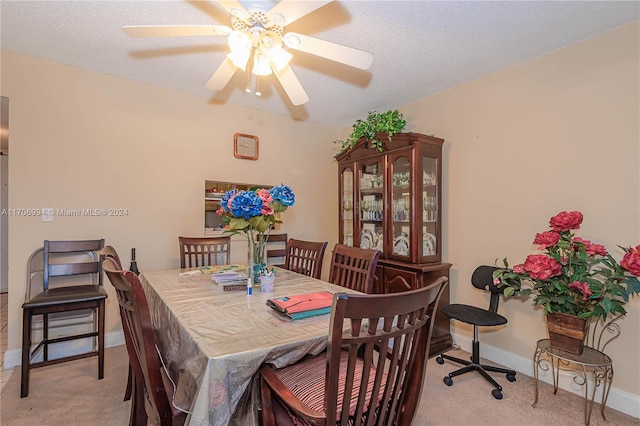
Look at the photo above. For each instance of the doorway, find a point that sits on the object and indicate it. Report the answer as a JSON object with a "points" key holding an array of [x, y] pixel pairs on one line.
{"points": [[4, 197], [4, 224]]}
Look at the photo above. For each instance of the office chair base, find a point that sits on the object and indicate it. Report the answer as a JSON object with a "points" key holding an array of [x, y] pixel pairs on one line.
{"points": [[480, 368]]}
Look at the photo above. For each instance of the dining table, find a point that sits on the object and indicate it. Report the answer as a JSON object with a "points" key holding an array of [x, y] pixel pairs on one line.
{"points": [[213, 341]]}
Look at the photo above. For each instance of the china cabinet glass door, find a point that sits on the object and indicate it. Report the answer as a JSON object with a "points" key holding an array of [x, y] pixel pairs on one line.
{"points": [[371, 203], [347, 206], [401, 205], [430, 214]]}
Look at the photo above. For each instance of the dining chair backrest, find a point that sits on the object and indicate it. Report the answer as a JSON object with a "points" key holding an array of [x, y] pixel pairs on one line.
{"points": [[305, 257], [276, 249], [62, 249], [353, 267], [207, 251], [389, 337], [141, 342], [110, 252]]}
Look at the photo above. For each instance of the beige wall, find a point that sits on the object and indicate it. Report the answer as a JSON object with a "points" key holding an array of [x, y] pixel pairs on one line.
{"points": [[560, 132], [85, 140]]}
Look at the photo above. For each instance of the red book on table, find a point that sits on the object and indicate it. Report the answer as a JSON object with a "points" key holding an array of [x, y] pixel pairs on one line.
{"points": [[303, 305]]}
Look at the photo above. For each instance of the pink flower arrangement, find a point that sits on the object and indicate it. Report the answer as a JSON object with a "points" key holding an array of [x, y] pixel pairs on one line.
{"points": [[573, 275]]}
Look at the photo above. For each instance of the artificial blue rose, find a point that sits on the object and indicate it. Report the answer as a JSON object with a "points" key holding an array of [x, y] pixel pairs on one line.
{"points": [[283, 194], [246, 204], [225, 199]]}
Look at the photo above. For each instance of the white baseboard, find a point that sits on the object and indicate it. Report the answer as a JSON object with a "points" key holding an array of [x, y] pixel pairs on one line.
{"points": [[618, 400], [13, 357]]}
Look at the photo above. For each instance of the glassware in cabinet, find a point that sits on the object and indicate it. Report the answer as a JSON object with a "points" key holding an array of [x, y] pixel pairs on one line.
{"points": [[347, 206], [401, 200], [371, 203], [430, 203]]}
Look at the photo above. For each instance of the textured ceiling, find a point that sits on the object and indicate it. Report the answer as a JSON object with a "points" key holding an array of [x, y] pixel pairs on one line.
{"points": [[420, 47]]}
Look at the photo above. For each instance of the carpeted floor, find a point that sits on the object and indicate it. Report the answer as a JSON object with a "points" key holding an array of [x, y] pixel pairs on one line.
{"points": [[69, 394]]}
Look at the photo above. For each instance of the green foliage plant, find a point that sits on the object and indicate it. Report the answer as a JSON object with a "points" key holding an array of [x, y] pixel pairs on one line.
{"points": [[390, 122]]}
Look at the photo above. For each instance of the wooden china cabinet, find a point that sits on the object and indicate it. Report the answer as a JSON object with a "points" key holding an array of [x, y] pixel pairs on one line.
{"points": [[391, 201]]}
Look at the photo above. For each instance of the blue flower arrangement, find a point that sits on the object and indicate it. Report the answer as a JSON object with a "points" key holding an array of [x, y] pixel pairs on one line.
{"points": [[253, 213]]}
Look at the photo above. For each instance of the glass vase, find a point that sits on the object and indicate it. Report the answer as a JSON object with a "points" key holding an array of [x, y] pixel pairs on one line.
{"points": [[256, 262]]}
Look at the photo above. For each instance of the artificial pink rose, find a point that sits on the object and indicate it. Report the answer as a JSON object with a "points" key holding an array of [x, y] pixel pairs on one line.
{"points": [[631, 261], [265, 196], [592, 249], [229, 205], [565, 221], [583, 288], [496, 281], [266, 210], [542, 267], [546, 239], [519, 269]]}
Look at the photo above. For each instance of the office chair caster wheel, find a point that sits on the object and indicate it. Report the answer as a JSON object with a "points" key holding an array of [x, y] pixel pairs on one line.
{"points": [[447, 381], [439, 359], [497, 393], [511, 377]]}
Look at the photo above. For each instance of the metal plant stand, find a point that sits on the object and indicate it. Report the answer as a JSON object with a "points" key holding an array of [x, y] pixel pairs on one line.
{"points": [[592, 363]]}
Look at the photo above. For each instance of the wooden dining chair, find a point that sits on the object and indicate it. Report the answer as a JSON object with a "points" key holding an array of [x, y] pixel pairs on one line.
{"points": [[276, 249], [65, 294], [207, 251], [153, 389], [305, 257], [353, 267], [110, 252], [371, 374]]}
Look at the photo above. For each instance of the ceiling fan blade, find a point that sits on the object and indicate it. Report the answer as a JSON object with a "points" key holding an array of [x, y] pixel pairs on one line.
{"points": [[326, 49], [175, 30], [234, 8], [294, 10], [222, 75], [291, 85]]}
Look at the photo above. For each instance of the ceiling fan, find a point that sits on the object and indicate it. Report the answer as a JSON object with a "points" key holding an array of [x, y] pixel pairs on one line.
{"points": [[257, 43]]}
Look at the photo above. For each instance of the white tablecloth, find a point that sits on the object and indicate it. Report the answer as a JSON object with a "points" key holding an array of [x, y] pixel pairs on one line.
{"points": [[215, 341]]}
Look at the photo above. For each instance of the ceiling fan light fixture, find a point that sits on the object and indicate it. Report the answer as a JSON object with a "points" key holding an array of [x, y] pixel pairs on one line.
{"points": [[240, 42], [239, 59], [261, 64], [281, 59]]}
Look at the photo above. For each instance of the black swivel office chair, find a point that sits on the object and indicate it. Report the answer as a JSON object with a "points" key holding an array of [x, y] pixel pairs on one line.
{"points": [[482, 278]]}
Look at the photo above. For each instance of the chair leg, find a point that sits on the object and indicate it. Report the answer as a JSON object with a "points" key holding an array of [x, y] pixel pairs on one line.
{"points": [[101, 340], [268, 417], [454, 359], [128, 390], [138, 416], [26, 352], [45, 337], [474, 364]]}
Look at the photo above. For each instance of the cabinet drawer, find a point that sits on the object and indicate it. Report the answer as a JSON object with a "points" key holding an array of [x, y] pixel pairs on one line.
{"points": [[397, 280]]}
